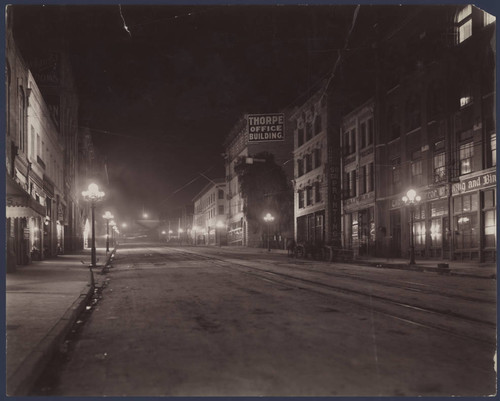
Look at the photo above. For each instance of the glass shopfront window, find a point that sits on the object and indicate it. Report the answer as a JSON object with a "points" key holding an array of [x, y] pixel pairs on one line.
{"points": [[466, 221]]}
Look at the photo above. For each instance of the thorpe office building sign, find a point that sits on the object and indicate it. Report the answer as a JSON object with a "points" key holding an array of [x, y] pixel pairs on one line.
{"points": [[266, 127]]}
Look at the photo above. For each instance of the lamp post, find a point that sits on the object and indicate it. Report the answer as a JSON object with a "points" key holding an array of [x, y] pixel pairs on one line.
{"points": [[93, 195], [268, 218], [411, 199], [113, 228], [107, 216]]}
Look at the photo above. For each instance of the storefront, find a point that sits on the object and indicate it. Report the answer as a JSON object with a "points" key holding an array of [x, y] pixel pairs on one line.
{"points": [[359, 224], [311, 228], [474, 217], [431, 233], [23, 220]]}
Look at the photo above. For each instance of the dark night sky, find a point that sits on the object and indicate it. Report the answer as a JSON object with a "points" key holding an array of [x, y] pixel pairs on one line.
{"points": [[161, 99]]}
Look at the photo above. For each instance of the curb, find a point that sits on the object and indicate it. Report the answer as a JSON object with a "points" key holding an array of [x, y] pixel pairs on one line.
{"points": [[20, 382], [420, 268]]}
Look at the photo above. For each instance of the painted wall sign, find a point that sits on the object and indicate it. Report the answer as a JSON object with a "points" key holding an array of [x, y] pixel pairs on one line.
{"points": [[472, 184], [266, 127]]}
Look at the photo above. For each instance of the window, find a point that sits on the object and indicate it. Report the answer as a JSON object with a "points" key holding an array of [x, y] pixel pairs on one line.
{"points": [[464, 23], [308, 163], [490, 228], [221, 209], [301, 199], [309, 196], [492, 151], [32, 143], [439, 208], [436, 233], [396, 171], [419, 232], [465, 95], [308, 131], [362, 180], [317, 158], [300, 167], [369, 178], [21, 119], [416, 168], [369, 133], [352, 184], [352, 141], [466, 155], [439, 162], [488, 19], [300, 137], [221, 194], [362, 135], [345, 143], [317, 190], [38, 145], [317, 125], [466, 237]]}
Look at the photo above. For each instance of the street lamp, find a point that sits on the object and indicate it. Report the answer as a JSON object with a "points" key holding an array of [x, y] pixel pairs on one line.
{"points": [[93, 195], [268, 218], [113, 227], [411, 199], [218, 226], [107, 216]]}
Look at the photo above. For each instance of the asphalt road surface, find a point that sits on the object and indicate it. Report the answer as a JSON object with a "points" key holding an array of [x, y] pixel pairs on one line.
{"points": [[199, 321]]}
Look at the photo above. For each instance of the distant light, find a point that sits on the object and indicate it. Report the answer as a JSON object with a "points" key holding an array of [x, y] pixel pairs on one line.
{"points": [[124, 225], [163, 232], [145, 215], [181, 230]]}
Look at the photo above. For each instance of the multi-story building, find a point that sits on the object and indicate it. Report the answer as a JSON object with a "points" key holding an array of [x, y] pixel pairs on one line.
{"points": [[210, 214], [317, 170], [25, 207], [358, 195], [48, 60], [46, 158], [251, 135], [310, 171], [437, 136]]}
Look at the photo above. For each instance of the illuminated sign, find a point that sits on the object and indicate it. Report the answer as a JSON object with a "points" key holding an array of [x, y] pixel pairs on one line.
{"points": [[266, 127]]}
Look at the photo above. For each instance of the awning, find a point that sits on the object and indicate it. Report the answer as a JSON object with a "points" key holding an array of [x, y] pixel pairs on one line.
{"points": [[19, 203]]}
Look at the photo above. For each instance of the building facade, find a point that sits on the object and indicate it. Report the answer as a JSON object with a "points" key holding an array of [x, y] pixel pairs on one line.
{"points": [[244, 141], [210, 214], [358, 182], [25, 206], [438, 137], [310, 170]]}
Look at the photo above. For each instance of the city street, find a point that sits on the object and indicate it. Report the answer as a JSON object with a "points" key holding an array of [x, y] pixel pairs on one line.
{"points": [[210, 321]]}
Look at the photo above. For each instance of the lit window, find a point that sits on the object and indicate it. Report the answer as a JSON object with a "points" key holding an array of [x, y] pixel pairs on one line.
{"points": [[464, 23], [465, 100], [488, 19], [439, 167], [436, 232], [466, 155], [419, 231]]}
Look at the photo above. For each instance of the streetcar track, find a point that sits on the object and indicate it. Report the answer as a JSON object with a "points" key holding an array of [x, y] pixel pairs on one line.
{"points": [[284, 279], [257, 272]]}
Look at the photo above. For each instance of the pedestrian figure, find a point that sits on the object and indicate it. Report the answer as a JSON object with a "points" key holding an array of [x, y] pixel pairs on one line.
{"points": [[290, 246]]}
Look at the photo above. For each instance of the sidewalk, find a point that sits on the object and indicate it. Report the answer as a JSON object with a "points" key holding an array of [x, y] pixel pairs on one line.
{"points": [[43, 300]]}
